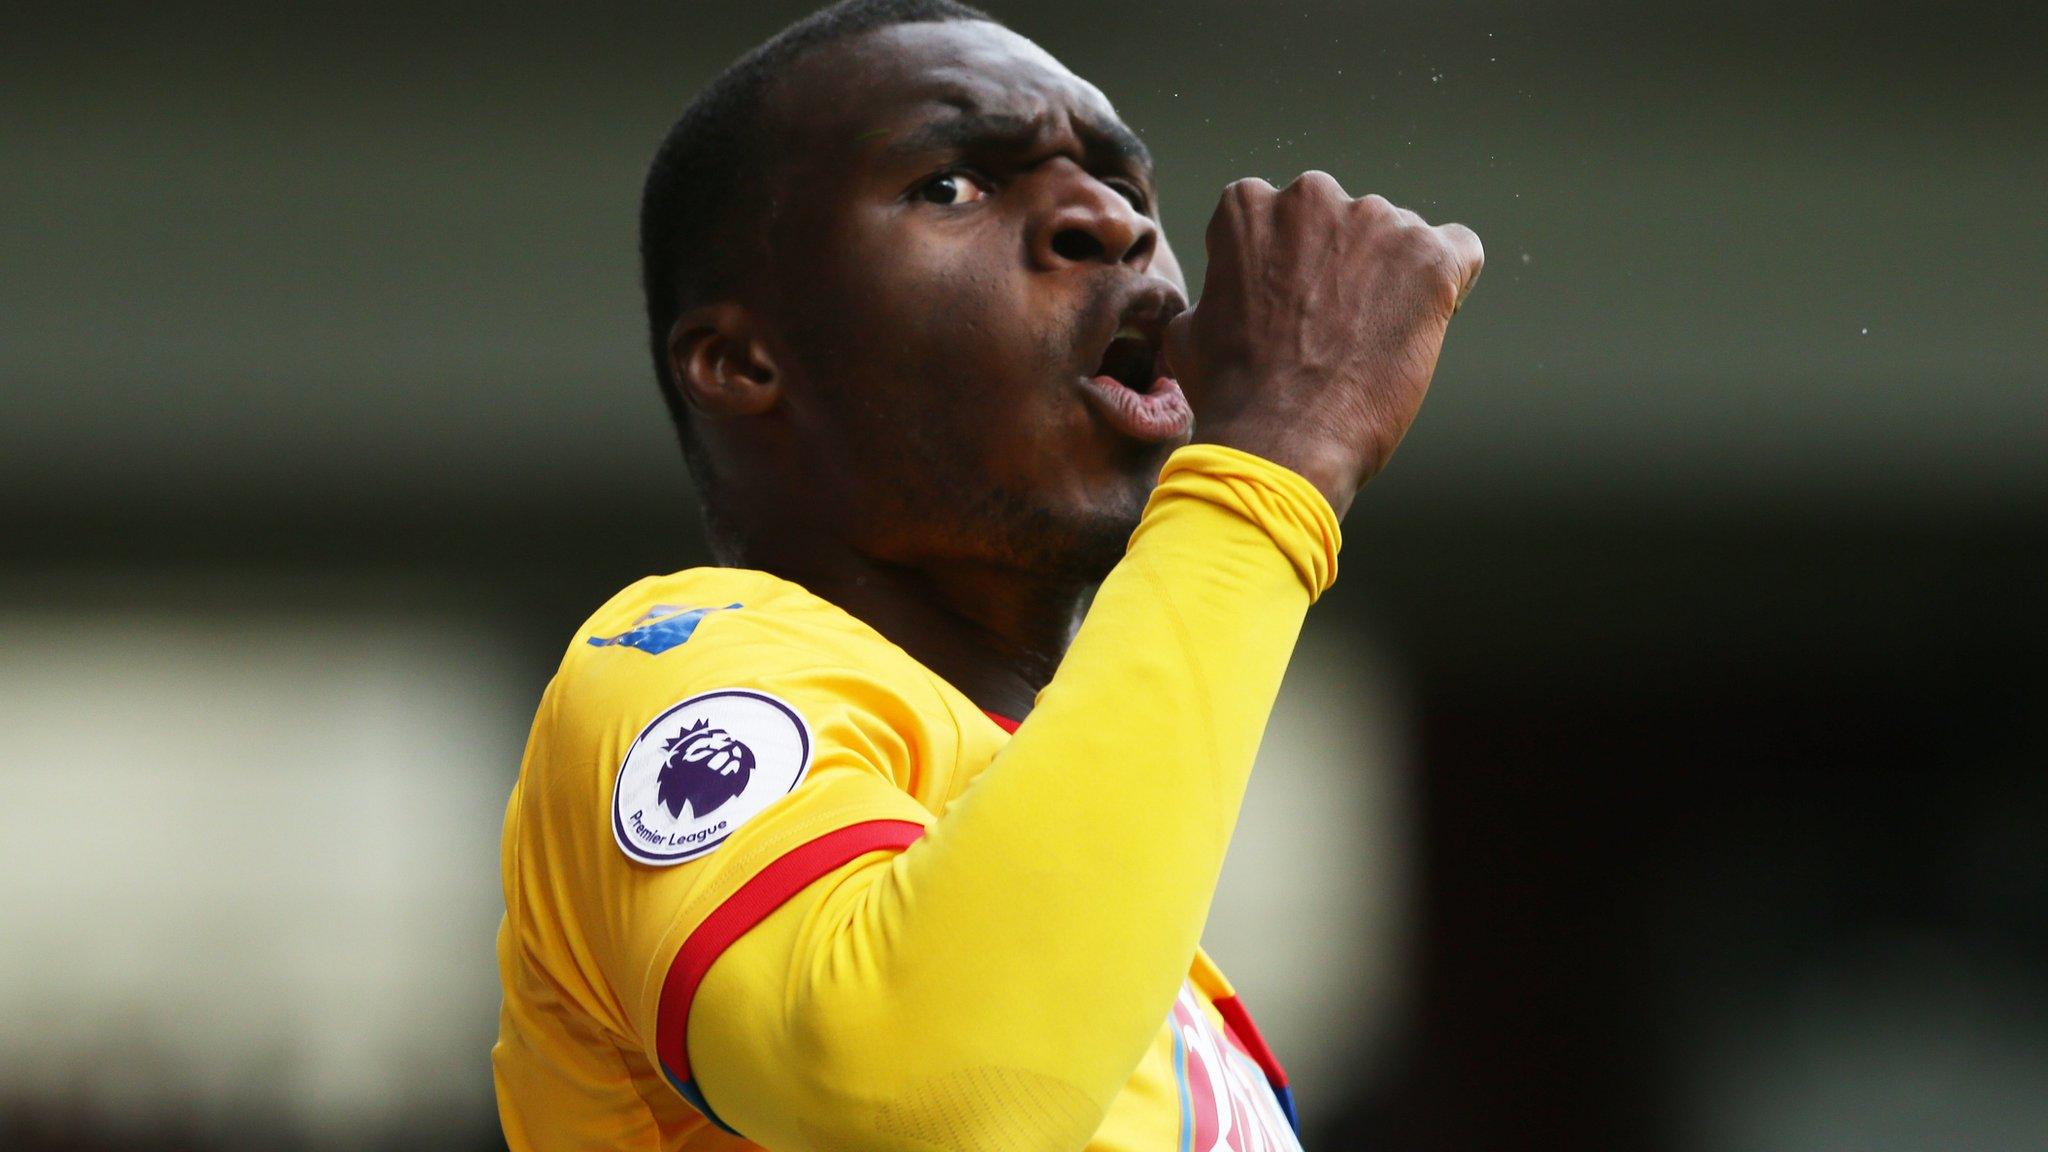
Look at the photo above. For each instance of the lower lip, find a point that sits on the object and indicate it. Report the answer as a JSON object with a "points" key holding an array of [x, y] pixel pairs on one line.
{"points": [[1155, 417]]}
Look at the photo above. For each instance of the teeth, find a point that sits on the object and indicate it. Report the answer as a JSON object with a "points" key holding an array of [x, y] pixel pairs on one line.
{"points": [[1130, 330]]}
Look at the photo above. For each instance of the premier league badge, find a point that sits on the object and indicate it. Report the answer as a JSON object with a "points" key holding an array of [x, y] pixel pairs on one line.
{"points": [[705, 768], [702, 769]]}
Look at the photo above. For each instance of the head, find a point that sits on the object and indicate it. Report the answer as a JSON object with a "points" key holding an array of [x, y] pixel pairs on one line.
{"points": [[888, 256]]}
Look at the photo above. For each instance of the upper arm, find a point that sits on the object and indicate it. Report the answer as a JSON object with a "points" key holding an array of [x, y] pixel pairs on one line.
{"points": [[682, 803]]}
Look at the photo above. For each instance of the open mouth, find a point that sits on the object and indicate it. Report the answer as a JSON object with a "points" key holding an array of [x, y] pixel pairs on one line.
{"points": [[1131, 388], [1133, 358]]}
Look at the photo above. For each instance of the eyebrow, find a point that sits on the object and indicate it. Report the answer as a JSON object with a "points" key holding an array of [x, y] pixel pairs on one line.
{"points": [[1008, 130]]}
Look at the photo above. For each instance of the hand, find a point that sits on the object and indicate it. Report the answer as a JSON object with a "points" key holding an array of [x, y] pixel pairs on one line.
{"points": [[1319, 326]]}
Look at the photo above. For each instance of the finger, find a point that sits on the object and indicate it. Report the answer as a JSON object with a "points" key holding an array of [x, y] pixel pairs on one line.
{"points": [[1467, 251], [1240, 200], [1179, 343], [1239, 196], [1320, 183]]}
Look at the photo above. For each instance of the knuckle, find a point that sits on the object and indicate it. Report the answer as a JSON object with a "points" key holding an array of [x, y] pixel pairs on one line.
{"points": [[1449, 281], [1247, 188], [1421, 245], [1466, 242], [1316, 181]]}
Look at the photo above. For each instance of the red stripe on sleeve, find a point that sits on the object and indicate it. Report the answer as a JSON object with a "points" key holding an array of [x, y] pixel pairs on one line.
{"points": [[769, 889], [1003, 722], [1247, 1036]]}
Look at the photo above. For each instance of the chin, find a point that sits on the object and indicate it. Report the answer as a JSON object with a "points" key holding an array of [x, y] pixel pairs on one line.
{"points": [[1096, 547], [1060, 544], [1096, 536], [1082, 545]]}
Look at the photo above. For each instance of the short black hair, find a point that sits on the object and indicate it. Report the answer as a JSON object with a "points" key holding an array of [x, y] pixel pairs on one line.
{"points": [[698, 220]]}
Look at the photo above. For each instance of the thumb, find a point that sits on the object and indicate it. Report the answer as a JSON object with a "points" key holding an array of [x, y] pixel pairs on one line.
{"points": [[1179, 345]]}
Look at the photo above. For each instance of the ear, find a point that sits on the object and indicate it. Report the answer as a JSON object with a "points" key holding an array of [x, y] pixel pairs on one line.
{"points": [[718, 359]]}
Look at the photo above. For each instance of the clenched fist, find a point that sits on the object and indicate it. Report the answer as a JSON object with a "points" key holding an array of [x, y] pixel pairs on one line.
{"points": [[1319, 326]]}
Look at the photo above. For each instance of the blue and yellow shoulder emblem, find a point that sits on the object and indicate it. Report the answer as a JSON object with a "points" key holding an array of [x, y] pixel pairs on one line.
{"points": [[661, 628]]}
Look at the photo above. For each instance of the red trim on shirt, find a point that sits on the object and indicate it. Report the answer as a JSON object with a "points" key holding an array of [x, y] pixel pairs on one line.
{"points": [[1242, 1030], [769, 889], [1003, 722]]}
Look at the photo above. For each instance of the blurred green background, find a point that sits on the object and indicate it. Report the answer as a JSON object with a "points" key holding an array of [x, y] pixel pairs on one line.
{"points": [[1672, 753]]}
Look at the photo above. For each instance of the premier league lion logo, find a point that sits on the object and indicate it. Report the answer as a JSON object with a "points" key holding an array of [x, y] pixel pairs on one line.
{"points": [[706, 767], [703, 768]]}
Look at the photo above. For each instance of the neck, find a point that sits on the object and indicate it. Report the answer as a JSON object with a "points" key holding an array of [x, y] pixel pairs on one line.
{"points": [[996, 634]]}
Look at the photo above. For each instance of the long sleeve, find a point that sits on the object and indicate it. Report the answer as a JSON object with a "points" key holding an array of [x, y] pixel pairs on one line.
{"points": [[993, 984]]}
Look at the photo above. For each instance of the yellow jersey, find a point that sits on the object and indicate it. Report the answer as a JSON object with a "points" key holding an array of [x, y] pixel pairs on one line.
{"points": [[770, 882]]}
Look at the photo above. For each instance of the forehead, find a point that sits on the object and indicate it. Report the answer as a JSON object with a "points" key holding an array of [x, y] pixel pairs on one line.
{"points": [[864, 87]]}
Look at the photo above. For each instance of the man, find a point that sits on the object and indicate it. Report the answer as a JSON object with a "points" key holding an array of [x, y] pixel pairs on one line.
{"points": [[867, 839]]}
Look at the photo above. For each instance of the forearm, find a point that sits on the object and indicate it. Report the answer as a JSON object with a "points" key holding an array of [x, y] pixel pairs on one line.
{"points": [[1043, 924]]}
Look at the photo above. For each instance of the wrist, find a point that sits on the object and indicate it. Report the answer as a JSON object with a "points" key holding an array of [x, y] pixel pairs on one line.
{"points": [[1331, 470], [1287, 507]]}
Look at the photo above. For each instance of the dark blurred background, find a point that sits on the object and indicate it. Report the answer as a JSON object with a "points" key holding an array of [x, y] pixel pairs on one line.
{"points": [[1668, 772]]}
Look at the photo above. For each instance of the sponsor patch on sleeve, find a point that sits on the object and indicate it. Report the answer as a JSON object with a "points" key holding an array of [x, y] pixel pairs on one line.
{"points": [[703, 768]]}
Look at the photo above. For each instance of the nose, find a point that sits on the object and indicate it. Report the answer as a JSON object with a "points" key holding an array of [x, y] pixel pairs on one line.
{"points": [[1085, 221]]}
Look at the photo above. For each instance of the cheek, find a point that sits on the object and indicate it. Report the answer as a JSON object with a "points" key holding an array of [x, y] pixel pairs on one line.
{"points": [[904, 295], [942, 315], [954, 300], [930, 340]]}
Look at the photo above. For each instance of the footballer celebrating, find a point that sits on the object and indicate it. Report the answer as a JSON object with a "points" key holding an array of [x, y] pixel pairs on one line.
{"points": [[898, 829]]}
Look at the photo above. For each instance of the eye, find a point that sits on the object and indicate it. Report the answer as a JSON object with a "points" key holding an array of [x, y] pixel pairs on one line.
{"points": [[952, 188], [1133, 193]]}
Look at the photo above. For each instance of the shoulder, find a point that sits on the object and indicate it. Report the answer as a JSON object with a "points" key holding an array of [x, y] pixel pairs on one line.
{"points": [[710, 644], [709, 627], [709, 617]]}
